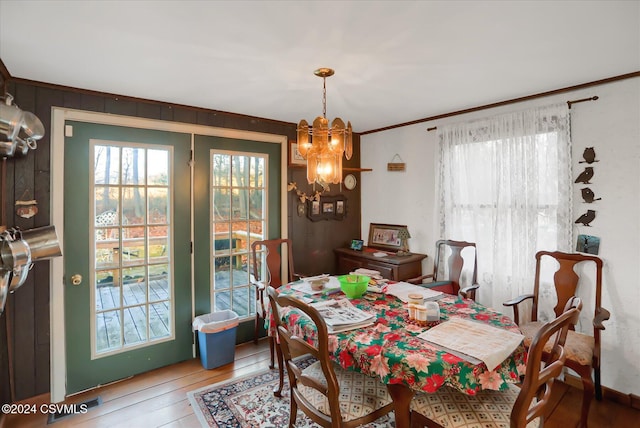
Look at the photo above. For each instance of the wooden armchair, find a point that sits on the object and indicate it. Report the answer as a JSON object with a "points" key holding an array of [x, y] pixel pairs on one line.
{"points": [[269, 275], [447, 273], [515, 407], [583, 350], [326, 393]]}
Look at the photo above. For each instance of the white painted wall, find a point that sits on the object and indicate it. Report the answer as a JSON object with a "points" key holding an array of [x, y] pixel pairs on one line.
{"points": [[612, 126]]}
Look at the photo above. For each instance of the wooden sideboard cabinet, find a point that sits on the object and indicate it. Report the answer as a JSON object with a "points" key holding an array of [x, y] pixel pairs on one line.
{"points": [[395, 268]]}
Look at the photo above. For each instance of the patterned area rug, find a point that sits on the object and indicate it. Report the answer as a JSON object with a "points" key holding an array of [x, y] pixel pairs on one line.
{"points": [[249, 402]]}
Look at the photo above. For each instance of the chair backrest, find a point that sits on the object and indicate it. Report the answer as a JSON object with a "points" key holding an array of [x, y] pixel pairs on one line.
{"points": [[275, 250], [565, 279], [544, 367], [454, 265], [293, 346]]}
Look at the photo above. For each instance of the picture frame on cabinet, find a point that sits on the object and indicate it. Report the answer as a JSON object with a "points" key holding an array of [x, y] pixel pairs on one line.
{"points": [[385, 236], [356, 244]]}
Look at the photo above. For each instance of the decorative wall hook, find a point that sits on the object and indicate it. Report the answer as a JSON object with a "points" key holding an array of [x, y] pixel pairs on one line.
{"points": [[396, 166]]}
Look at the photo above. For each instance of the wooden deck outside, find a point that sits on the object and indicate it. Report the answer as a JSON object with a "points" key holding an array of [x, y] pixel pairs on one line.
{"points": [[134, 313], [109, 329]]}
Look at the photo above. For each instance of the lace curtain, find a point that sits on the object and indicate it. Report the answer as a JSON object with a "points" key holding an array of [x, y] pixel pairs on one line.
{"points": [[505, 183]]}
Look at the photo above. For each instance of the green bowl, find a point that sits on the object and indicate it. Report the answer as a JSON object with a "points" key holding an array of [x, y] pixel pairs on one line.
{"points": [[353, 286]]}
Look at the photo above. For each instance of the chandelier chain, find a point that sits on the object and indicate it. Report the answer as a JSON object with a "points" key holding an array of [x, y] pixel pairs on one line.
{"points": [[324, 97]]}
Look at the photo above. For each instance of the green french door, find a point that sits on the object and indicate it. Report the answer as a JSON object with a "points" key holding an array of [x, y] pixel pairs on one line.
{"points": [[127, 260], [237, 201]]}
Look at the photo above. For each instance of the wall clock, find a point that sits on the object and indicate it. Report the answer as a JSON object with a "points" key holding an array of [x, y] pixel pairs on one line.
{"points": [[350, 182]]}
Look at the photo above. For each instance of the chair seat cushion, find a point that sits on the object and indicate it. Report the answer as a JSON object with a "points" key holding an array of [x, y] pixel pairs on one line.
{"points": [[445, 287], [359, 394], [578, 347], [453, 409]]}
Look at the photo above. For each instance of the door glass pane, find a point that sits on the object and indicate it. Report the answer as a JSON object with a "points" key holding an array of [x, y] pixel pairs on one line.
{"points": [[238, 194], [133, 166], [132, 285], [107, 165]]}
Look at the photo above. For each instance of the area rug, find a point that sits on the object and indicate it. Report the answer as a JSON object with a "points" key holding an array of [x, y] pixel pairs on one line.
{"points": [[249, 402]]}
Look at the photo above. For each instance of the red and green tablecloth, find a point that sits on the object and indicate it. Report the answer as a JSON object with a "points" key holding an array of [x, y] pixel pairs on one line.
{"points": [[391, 350]]}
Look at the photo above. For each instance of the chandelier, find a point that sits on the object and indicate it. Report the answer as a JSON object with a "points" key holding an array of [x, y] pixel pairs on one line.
{"points": [[322, 146]]}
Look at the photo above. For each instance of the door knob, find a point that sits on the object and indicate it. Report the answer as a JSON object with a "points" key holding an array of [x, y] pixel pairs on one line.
{"points": [[76, 279]]}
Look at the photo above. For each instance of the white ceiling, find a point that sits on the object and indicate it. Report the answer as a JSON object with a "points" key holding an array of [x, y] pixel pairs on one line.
{"points": [[395, 61]]}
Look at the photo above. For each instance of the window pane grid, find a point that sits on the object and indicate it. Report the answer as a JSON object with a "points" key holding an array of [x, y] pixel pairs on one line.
{"points": [[238, 206], [132, 281]]}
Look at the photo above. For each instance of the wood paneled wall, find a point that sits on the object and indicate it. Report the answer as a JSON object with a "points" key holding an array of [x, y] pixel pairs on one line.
{"points": [[24, 327]]}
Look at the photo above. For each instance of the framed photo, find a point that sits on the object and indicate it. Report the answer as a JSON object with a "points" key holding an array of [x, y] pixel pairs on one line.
{"points": [[315, 208], [327, 208], [295, 158], [385, 236], [356, 244], [588, 244]]}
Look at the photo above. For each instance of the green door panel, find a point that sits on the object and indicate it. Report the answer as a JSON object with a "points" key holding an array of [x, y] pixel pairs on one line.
{"points": [[202, 209], [82, 371]]}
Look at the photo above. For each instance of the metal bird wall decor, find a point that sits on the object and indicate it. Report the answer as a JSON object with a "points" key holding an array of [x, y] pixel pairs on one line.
{"points": [[589, 156], [586, 218], [585, 175], [589, 196]]}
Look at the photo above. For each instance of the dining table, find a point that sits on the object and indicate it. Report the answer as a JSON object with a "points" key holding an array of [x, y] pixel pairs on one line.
{"points": [[391, 351]]}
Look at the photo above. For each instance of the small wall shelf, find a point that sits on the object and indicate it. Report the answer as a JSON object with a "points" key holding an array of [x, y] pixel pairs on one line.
{"points": [[344, 169], [357, 169]]}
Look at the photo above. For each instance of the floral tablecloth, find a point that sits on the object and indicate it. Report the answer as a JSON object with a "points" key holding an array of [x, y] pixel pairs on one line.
{"points": [[391, 350]]}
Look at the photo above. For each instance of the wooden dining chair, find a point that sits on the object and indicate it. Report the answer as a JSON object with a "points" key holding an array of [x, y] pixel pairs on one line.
{"points": [[269, 275], [449, 272], [328, 394], [583, 350], [517, 407]]}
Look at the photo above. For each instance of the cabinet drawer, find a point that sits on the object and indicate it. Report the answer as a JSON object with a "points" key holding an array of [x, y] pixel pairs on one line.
{"points": [[395, 268], [349, 264], [386, 270]]}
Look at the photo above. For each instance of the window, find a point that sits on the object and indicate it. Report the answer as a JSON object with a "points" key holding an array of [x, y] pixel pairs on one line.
{"points": [[239, 195], [505, 184], [132, 291]]}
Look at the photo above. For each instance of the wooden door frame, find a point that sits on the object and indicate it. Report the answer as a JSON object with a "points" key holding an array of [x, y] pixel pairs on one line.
{"points": [[58, 117]]}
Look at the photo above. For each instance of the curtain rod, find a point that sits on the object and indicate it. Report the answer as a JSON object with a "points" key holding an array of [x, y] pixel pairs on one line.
{"points": [[569, 103], [512, 101]]}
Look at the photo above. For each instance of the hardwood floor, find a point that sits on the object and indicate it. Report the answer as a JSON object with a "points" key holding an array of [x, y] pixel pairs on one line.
{"points": [[158, 399]]}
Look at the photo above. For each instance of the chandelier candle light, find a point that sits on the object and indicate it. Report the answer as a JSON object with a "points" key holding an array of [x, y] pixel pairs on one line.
{"points": [[322, 146]]}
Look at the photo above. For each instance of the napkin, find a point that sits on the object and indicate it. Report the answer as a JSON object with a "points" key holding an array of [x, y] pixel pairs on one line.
{"points": [[402, 290], [489, 344], [304, 285]]}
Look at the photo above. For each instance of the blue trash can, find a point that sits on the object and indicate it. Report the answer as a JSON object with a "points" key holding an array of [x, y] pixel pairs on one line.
{"points": [[216, 338]]}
